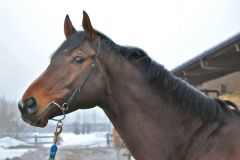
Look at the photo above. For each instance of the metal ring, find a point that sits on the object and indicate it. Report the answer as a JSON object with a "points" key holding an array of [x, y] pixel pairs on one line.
{"points": [[59, 123], [63, 111], [65, 106]]}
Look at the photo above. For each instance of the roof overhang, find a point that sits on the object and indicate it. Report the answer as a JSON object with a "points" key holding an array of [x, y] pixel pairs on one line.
{"points": [[214, 63]]}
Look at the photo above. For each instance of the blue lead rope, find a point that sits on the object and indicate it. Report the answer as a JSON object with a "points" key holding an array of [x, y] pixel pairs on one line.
{"points": [[53, 149]]}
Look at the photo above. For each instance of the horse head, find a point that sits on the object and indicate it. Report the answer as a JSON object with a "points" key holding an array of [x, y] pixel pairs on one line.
{"points": [[68, 71]]}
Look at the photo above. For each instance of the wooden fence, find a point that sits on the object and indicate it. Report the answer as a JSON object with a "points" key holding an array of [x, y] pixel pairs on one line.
{"points": [[36, 139]]}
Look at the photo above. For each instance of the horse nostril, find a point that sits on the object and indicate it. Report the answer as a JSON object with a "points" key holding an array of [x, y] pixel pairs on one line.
{"points": [[31, 103], [28, 106]]}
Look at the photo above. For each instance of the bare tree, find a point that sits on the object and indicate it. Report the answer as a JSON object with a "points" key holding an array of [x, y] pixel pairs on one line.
{"points": [[10, 120]]}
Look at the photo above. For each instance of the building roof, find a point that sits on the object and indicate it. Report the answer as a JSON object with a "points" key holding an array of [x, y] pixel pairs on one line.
{"points": [[213, 63]]}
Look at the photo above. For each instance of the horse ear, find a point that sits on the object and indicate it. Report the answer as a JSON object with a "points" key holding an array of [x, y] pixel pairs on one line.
{"points": [[68, 27], [87, 26]]}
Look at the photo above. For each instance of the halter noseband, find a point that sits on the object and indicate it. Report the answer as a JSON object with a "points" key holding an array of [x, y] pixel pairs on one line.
{"points": [[78, 90]]}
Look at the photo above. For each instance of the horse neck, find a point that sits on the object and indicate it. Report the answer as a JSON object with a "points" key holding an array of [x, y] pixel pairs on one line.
{"points": [[147, 123]]}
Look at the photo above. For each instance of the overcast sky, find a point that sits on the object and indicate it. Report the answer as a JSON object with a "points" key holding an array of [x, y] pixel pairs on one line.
{"points": [[171, 32]]}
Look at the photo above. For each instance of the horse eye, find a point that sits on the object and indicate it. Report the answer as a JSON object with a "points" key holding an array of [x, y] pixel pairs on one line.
{"points": [[78, 60]]}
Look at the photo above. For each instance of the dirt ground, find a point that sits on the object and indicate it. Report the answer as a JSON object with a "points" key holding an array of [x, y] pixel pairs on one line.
{"points": [[99, 153]]}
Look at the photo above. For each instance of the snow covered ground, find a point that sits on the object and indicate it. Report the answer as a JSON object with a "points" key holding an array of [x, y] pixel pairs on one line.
{"points": [[10, 153], [6, 143], [97, 139], [69, 140]]}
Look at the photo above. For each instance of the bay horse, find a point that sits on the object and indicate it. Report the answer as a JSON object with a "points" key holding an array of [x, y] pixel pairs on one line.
{"points": [[158, 116]]}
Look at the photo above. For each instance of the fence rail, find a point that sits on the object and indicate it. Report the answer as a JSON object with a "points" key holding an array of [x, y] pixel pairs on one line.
{"points": [[32, 138], [38, 140]]}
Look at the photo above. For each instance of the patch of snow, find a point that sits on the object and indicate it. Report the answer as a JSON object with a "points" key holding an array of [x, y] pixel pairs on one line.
{"points": [[10, 153], [7, 142], [68, 140], [97, 139]]}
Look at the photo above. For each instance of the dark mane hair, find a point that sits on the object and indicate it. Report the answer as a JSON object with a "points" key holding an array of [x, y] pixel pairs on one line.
{"points": [[175, 89], [178, 91]]}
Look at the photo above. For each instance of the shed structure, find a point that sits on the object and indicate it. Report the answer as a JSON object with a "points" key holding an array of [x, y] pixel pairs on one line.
{"points": [[216, 71]]}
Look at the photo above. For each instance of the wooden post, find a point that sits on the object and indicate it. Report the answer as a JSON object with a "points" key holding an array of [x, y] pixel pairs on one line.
{"points": [[223, 89], [35, 140], [108, 139]]}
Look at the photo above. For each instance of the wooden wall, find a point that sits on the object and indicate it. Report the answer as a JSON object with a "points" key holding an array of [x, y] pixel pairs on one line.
{"points": [[228, 87]]}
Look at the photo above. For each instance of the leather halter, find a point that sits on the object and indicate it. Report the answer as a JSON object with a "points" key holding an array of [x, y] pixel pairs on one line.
{"points": [[78, 90]]}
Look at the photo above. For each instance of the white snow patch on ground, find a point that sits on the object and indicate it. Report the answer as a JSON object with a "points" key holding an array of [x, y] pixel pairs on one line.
{"points": [[97, 139], [7, 142], [10, 153]]}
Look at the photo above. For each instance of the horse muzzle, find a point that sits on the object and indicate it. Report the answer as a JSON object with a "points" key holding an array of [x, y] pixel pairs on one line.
{"points": [[28, 108]]}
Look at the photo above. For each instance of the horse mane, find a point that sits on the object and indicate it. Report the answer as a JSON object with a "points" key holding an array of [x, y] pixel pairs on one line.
{"points": [[174, 89]]}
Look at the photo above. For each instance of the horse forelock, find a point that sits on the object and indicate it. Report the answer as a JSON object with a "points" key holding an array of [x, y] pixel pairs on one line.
{"points": [[70, 43]]}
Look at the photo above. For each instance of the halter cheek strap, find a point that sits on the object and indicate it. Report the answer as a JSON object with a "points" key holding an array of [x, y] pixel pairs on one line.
{"points": [[77, 90]]}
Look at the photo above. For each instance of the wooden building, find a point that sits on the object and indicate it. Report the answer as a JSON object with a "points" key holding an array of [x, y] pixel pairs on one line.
{"points": [[216, 72]]}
